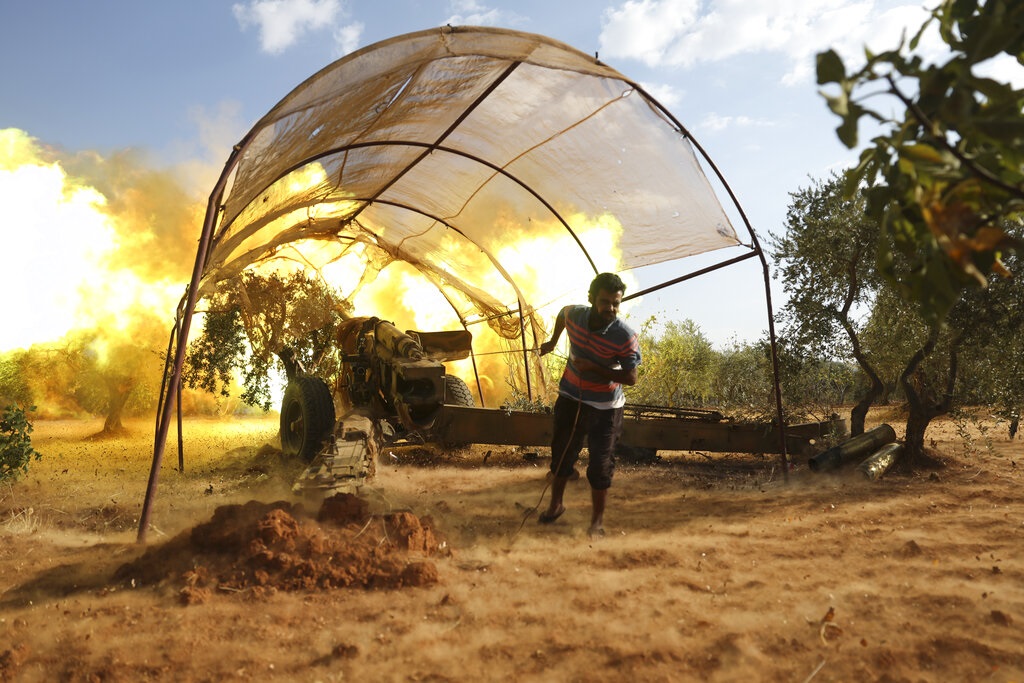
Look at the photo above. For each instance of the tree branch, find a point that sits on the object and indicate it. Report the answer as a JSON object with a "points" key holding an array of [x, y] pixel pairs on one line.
{"points": [[923, 119]]}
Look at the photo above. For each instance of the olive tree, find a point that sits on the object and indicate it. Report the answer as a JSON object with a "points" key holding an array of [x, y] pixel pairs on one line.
{"points": [[679, 365], [826, 261], [943, 177], [824, 270], [992, 360], [259, 323], [743, 381], [14, 381], [946, 170], [114, 376]]}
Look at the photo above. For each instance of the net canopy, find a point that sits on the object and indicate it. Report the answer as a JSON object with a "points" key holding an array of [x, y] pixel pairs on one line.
{"points": [[506, 168], [487, 159]]}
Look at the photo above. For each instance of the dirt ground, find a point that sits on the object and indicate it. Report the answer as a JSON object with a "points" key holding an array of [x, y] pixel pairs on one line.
{"points": [[712, 569]]}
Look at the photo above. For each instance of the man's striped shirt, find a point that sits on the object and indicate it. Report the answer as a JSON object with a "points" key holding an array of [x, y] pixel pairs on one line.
{"points": [[614, 346]]}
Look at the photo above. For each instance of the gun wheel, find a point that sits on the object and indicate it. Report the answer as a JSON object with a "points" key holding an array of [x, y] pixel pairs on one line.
{"points": [[456, 392], [307, 416]]}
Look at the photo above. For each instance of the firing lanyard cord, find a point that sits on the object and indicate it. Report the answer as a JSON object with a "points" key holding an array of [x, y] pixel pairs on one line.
{"points": [[561, 458]]}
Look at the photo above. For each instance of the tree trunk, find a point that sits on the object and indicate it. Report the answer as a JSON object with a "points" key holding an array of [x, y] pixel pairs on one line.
{"points": [[292, 367], [860, 411], [913, 442], [922, 409], [858, 415], [118, 388]]}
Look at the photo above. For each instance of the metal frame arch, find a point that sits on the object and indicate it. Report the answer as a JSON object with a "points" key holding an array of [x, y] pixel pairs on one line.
{"points": [[241, 235], [212, 237]]}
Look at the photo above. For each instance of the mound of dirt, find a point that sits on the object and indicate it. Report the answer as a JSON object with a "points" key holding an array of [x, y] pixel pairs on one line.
{"points": [[266, 547]]}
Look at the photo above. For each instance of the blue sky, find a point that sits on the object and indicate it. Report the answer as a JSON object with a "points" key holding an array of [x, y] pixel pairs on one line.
{"points": [[180, 82]]}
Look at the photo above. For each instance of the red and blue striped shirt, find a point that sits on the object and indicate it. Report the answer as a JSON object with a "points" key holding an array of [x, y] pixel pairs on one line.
{"points": [[614, 346]]}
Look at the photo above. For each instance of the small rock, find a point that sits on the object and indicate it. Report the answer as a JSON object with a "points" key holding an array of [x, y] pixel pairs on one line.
{"points": [[911, 549], [1001, 618]]}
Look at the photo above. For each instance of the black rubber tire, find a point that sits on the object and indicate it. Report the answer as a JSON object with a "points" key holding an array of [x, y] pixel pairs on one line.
{"points": [[457, 393], [307, 416]]}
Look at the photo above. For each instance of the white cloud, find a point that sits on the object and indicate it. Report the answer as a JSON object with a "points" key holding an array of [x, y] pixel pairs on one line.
{"points": [[646, 29], [667, 95], [716, 123], [282, 22], [686, 33], [473, 13], [346, 38]]}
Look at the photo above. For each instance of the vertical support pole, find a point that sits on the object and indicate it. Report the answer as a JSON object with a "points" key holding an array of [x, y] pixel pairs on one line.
{"points": [[775, 367], [185, 322], [167, 364], [181, 444], [476, 374], [526, 353]]}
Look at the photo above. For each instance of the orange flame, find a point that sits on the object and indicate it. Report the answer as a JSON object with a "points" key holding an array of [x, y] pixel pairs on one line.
{"points": [[403, 295], [105, 244]]}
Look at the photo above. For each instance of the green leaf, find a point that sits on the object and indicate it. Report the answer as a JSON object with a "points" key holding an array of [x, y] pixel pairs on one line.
{"points": [[15, 442], [923, 152], [847, 130], [830, 68], [839, 104]]}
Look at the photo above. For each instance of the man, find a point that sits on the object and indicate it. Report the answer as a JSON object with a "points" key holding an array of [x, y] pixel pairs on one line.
{"points": [[603, 355]]}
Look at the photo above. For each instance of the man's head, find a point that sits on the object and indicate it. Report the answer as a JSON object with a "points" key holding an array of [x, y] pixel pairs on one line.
{"points": [[605, 296], [607, 281]]}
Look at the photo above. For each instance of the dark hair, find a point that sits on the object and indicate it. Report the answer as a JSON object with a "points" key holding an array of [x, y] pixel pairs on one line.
{"points": [[610, 282]]}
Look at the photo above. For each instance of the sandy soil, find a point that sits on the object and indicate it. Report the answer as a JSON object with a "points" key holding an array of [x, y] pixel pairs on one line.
{"points": [[713, 569]]}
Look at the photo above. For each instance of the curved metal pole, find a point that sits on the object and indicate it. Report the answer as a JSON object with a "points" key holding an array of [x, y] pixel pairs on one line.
{"points": [[412, 209], [764, 265], [241, 236], [500, 171], [447, 131], [690, 276]]}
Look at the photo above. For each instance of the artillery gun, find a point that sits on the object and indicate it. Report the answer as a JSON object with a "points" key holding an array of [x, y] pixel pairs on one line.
{"points": [[393, 387]]}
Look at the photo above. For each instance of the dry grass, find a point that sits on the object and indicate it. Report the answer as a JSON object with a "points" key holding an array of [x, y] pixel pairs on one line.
{"points": [[713, 569]]}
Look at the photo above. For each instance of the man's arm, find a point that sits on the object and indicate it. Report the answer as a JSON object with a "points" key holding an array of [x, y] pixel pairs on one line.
{"points": [[548, 346], [626, 377]]}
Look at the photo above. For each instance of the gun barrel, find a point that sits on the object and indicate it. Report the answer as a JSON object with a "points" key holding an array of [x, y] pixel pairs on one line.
{"points": [[397, 342]]}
